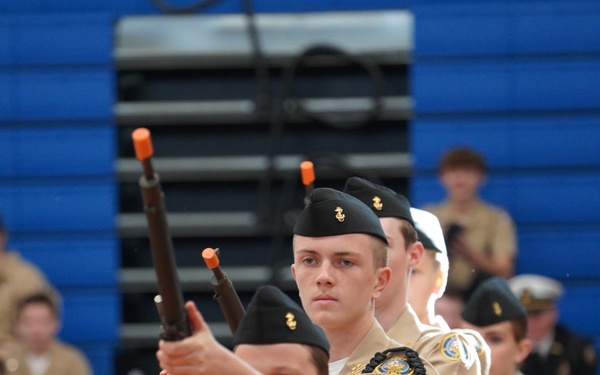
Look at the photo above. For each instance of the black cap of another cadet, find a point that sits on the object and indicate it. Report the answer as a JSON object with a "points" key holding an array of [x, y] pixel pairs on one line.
{"points": [[331, 212], [492, 302], [382, 200], [274, 318]]}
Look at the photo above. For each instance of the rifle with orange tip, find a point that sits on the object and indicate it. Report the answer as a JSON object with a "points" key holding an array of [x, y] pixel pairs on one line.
{"points": [[308, 178], [225, 293], [169, 301]]}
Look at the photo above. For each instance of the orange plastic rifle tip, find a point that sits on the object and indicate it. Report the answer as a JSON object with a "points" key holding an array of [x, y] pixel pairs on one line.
{"points": [[308, 172], [210, 258], [142, 143]]}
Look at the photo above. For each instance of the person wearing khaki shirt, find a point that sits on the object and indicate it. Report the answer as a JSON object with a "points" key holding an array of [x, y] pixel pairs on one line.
{"points": [[340, 268], [18, 278], [447, 352], [480, 237], [38, 351], [428, 283]]}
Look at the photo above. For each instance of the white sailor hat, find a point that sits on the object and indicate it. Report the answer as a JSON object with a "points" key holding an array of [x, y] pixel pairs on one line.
{"points": [[536, 292], [429, 230]]}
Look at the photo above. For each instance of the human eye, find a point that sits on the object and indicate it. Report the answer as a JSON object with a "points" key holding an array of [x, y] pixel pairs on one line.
{"points": [[308, 261], [346, 262], [495, 339]]}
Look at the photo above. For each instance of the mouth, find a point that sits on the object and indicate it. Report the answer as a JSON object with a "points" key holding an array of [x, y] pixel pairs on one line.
{"points": [[324, 298]]}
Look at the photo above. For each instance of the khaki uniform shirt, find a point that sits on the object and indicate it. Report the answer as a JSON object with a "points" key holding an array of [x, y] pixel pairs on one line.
{"points": [[374, 341], [18, 279], [65, 359], [446, 351], [488, 229], [481, 348]]}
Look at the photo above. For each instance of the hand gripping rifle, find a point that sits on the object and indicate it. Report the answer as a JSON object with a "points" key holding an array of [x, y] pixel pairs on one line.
{"points": [[169, 301], [225, 293]]}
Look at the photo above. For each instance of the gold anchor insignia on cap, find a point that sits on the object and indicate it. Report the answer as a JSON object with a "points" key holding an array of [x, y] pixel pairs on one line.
{"points": [[339, 215], [377, 203], [497, 309], [526, 297], [290, 321]]}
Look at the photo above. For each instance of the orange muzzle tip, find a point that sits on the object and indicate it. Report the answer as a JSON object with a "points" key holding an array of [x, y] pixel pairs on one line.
{"points": [[142, 143], [308, 172], [210, 258]]}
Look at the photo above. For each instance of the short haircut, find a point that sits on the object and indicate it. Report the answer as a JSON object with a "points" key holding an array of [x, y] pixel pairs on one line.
{"points": [[380, 253], [519, 328], [462, 157], [320, 359], [44, 297], [408, 232]]}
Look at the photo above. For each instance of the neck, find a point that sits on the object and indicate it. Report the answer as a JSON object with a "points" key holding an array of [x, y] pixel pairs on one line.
{"points": [[343, 341], [463, 206], [388, 315], [39, 349]]}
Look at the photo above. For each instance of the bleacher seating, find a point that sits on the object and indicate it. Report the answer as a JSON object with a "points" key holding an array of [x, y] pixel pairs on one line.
{"points": [[518, 80]]}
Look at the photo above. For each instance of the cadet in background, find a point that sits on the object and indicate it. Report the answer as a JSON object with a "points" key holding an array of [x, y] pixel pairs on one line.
{"points": [[556, 350]]}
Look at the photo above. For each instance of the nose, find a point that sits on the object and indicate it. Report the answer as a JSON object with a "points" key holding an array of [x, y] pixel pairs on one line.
{"points": [[324, 276]]}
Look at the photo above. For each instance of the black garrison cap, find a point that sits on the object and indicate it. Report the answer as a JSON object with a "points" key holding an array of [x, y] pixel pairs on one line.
{"points": [[274, 318], [382, 200], [492, 302], [331, 212]]}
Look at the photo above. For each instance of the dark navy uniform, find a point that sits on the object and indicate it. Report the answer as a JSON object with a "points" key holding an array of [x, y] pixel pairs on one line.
{"points": [[560, 351]]}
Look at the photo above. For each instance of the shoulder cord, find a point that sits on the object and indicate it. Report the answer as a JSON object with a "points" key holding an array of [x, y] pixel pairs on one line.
{"points": [[412, 357]]}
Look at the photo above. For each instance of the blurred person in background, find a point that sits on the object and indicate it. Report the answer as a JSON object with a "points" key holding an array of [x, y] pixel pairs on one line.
{"points": [[556, 350], [18, 279], [480, 237], [39, 351]]}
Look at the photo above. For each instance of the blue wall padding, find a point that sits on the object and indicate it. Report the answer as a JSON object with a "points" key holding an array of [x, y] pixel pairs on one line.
{"points": [[57, 150], [75, 263], [70, 206], [58, 94], [482, 29], [510, 142], [79, 307], [562, 252], [33, 40], [506, 85]]}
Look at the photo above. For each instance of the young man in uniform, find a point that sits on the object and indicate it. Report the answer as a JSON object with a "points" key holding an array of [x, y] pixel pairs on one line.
{"points": [[500, 318], [448, 352], [340, 267], [556, 350], [428, 282], [340, 257]]}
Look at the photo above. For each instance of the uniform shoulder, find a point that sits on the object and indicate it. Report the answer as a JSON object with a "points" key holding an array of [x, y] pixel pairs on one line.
{"points": [[443, 346]]}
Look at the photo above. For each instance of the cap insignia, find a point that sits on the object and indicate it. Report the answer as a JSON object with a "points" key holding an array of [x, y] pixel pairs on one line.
{"points": [[339, 215], [290, 321], [377, 203], [526, 297], [497, 309]]}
